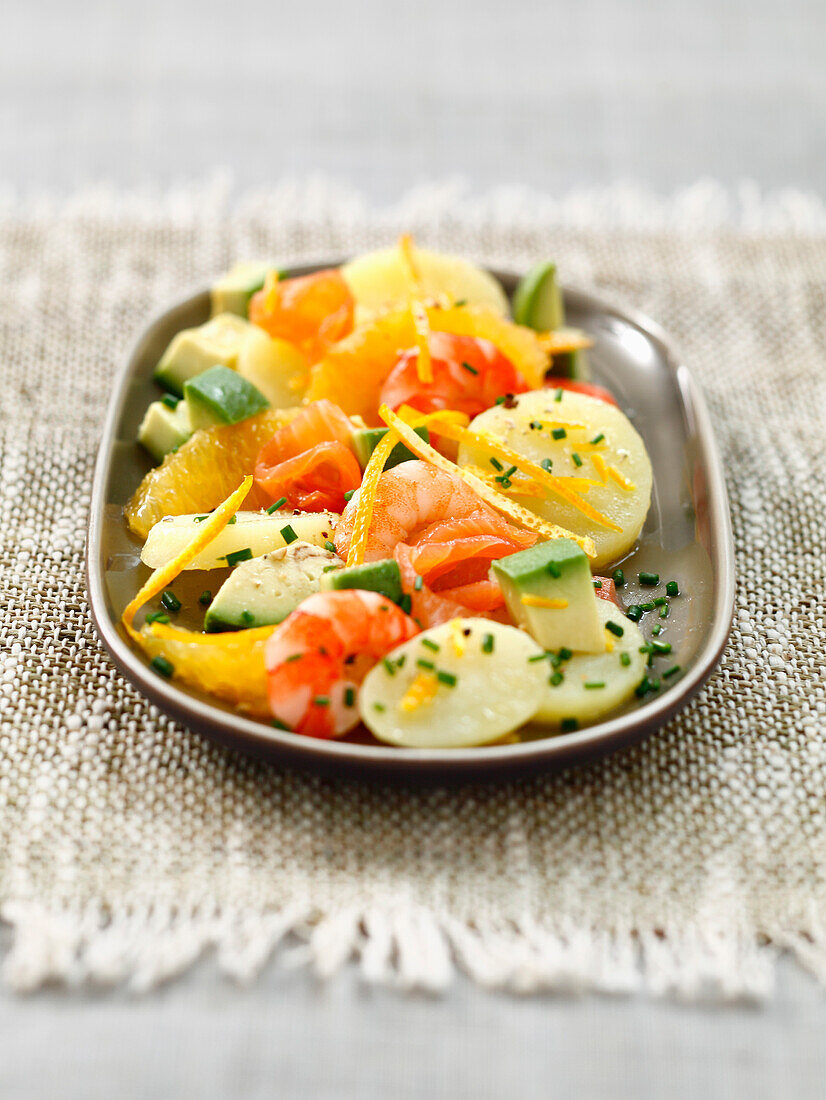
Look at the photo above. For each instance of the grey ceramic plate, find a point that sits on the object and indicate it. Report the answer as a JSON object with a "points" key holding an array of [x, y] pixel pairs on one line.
{"points": [[687, 537]]}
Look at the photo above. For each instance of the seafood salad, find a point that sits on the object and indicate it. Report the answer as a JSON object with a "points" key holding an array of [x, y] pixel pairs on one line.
{"points": [[404, 505]]}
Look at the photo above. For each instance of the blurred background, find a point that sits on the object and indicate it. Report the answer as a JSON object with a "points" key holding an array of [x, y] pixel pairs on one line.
{"points": [[382, 95]]}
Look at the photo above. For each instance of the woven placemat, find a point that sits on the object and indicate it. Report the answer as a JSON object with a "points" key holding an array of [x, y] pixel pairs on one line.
{"points": [[129, 846]]}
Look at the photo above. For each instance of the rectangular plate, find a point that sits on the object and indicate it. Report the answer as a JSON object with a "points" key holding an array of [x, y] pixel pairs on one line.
{"points": [[687, 535]]}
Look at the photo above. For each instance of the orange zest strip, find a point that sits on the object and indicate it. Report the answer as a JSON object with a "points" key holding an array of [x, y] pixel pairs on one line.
{"points": [[555, 484], [422, 690], [409, 260], [271, 290], [564, 339], [599, 466], [167, 573], [367, 498], [547, 602], [424, 365], [623, 482], [510, 508]]}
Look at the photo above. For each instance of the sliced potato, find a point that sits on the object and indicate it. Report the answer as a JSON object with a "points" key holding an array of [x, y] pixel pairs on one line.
{"points": [[381, 279], [495, 691], [275, 367], [622, 494], [572, 699], [257, 532]]}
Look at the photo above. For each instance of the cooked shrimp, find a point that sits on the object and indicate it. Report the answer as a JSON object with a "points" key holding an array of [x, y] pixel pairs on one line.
{"points": [[319, 655], [469, 374], [410, 498]]}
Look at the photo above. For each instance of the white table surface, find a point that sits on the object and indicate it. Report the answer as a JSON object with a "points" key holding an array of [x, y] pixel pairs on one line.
{"points": [[382, 95]]}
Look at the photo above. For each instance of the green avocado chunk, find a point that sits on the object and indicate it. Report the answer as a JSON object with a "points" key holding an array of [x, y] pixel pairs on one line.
{"points": [[365, 441], [266, 589], [232, 292], [221, 396], [163, 428], [537, 303], [193, 350], [555, 570], [383, 577]]}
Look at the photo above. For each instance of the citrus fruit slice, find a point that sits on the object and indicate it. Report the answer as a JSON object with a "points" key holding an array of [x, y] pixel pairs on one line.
{"points": [[202, 472], [353, 371]]}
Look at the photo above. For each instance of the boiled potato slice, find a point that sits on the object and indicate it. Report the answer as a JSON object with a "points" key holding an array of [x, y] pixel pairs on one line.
{"points": [[495, 691], [378, 280], [275, 367], [257, 532], [620, 449], [572, 699]]}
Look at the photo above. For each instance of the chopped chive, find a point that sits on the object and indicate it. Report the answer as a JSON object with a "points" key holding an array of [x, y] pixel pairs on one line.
{"points": [[247, 617], [660, 601], [161, 665], [389, 667], [656, 629], [157, 617], [672, 588], [569, 725], [565, 654], [618, 577], [625, 659], [546, 464], [553, 568], [615, 629], [348, 495], [593, 685], [468, 367], [597, 439], [500, 400], [293, 657], [322, 701], [645, 685], [576, 458], [417, 584], [555, 660], [380, 707], [661, 647], [597, 585], [200, 519], [648, 606], [205, 599], [422, 663], [558, 395], [496, 464], [559, 433], [231, 520], [649, 578], [446, 678], [671, 671], [406, 603], [401, 660], [535, 425], [329, 569], [431, 644], [655, 685], [329, 546], [288, 535], [539, 657], [664, 612], [238, 556], [460, 302], [279, 725], [634, 613], [349, 696], [487, 643], [278, 504], [555, 679], [170, 601], [170, 401]]}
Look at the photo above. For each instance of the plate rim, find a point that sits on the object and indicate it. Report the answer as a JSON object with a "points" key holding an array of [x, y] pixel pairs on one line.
{"points": [[337, 757]]}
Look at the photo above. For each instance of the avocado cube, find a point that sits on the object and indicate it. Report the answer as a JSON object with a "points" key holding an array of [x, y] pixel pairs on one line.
{"points": [[232, 292], [556, 570], [365, 441], [221, 396], [163, 429], [193, 350], [383, 577]]}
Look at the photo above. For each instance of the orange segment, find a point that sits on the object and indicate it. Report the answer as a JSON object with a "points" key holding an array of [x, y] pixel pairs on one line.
{"points": [[201, 473], [352, 372]]}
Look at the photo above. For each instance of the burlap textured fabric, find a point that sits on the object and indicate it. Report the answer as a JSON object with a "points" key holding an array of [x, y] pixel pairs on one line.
{"points": [[128, 846]]}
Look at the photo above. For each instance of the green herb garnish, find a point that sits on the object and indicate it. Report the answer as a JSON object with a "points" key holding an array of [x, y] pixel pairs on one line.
{"points": [[157, 617], [349, 696], [672, 588], [238, 556], [649, 579], [576, 458], [446, 678], [597, 439], [593, 685], [422, 663], [170, 401], [569, 725], [559, 433], [288, 535], [615, 629], [170, 601], [205, 599], [487, 643], [247, 618], [618, 578], [469, 368], [431, 644], [278, 504], [625, 659], [161, 665]]}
